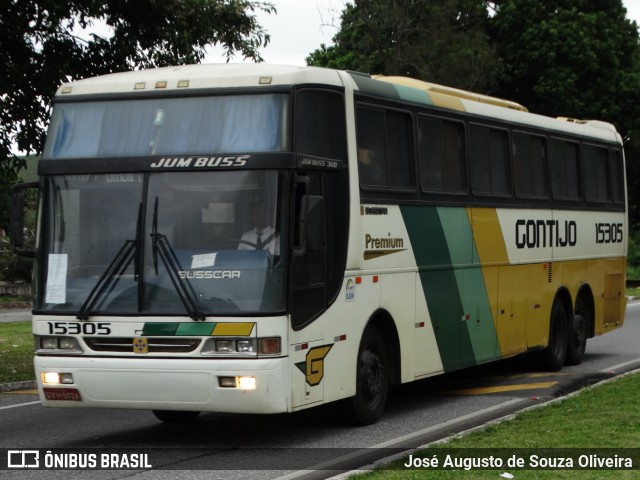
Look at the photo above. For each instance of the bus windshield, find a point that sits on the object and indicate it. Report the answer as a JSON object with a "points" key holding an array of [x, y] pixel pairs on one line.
{"points": [[165, 243], [168, 126]]}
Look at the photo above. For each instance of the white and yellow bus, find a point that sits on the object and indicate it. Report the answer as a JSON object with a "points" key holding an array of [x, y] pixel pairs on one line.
{"points": [[264, 239]]}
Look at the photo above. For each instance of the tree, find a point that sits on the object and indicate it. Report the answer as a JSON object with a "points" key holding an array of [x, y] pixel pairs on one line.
{"points": [[575, 58], [443, 41], [42, 46]]}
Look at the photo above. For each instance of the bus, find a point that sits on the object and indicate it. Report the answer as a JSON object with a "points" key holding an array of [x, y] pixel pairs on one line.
{"points": [[407, 230]]}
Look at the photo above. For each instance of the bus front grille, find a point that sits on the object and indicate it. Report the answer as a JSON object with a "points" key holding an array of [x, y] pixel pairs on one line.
{"points": [[154, 345]]}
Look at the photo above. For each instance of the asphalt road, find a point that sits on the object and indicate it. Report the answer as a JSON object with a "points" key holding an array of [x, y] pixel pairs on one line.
{"points": [[308, 444], [14, 315]]}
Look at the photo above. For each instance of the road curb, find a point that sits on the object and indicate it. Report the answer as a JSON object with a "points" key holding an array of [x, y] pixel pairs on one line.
{"points": [[13, 386]]}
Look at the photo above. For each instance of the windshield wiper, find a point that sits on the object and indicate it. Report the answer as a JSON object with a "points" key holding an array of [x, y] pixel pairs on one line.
{"points": [[130, 250], [162, 247]]}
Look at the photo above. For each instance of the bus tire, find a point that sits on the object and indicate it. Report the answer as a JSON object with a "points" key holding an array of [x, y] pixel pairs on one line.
{"points": [[577, 338], [372, 379], [553, 357], [175, 416]]}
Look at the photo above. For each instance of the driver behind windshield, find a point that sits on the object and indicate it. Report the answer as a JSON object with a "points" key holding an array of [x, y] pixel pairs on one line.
{"points": [[262, 236]]}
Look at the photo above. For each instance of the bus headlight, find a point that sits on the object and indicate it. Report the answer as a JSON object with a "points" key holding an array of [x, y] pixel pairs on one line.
{"points": [[245, 346], [225, 346], [67, 343], [239, 347], [48, 343], [57, 345]]}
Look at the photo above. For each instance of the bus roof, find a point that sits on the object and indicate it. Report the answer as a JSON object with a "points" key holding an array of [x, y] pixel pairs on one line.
{"points": [[413, 90], [211, 76], [200, 76]]}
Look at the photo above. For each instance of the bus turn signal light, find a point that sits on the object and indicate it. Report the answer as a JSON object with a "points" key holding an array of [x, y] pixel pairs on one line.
{"points": [[270, 345]]}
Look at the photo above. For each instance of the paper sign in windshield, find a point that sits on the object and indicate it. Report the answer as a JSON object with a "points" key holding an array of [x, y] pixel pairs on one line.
{"points": [[204, 260], [57, 278]]}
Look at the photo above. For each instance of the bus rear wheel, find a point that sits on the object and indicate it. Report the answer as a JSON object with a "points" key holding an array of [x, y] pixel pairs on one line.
{"points": [[577, 340], [372, 379], [175, 416], [553, 357]]}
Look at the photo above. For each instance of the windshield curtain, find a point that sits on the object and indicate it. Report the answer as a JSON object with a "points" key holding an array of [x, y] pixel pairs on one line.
{"points": [[211, 240], [169, 126]]}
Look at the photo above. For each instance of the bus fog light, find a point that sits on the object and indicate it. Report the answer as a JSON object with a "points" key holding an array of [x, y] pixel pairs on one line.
{"points": [[66, 378], [227, 382], [246, 383]]}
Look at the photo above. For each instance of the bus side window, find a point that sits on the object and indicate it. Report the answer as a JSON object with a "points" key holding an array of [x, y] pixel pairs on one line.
{"points": [[530, 165], [565, 174], [596, 174], [372, 161], [441, 151], [617, 179], [489, 166], [320, 124], [384, 148]]}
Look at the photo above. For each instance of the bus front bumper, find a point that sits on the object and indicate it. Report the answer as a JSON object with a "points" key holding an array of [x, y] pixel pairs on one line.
{"points": [[165, 384]]}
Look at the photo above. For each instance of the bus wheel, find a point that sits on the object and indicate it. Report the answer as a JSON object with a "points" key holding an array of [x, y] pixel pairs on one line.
{"points": [[577, 338], [175, 416], [553, 357], [372, 379]]}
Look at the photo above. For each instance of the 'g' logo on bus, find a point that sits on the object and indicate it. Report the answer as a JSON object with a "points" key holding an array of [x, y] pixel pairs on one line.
{"points": [[313, 366]]}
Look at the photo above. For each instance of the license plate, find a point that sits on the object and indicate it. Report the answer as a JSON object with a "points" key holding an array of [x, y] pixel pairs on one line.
{"points": [[68, 394]]}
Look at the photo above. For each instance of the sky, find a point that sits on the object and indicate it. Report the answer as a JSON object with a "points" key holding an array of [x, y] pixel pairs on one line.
{"points": [[300, 26]]}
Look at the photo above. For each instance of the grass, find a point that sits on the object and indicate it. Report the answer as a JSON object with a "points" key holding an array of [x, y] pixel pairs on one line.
{"points": [[632, 292], [16, 352], [14, 298], [607, 416]]}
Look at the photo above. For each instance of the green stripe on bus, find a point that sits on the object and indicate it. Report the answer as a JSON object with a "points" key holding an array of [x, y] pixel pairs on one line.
{"points": [[177, 329], [381, 89], [479, 321], [440, 285], [413, 95], [195, 329], [159, 329], [391, 90], [453, 284]]}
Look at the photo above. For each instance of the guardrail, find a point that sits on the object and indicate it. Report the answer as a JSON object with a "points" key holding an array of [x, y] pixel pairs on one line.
{"points": [[15, 288]]}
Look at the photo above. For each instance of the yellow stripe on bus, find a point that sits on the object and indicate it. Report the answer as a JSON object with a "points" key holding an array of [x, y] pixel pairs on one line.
{"points": [[232, 329]]}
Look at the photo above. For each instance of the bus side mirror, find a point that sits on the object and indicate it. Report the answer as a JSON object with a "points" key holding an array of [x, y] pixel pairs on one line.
{"points": [[16, 218]]}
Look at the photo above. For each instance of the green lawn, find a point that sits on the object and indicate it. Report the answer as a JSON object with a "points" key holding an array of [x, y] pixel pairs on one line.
{"points": [[605, 416], [16, 352]]}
